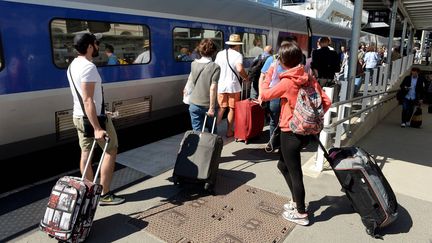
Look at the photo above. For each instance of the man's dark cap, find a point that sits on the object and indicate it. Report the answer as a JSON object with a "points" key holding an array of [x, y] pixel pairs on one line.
{"points": [[82, 40]]}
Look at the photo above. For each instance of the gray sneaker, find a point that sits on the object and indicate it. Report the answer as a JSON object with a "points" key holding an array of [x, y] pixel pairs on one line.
{"points": [[111, 199], [295, 217]]}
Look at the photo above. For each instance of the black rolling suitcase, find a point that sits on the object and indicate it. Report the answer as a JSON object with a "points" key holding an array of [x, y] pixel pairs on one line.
{"points": [[72, 205], [365, 186], [198, 158], [416, 118]]}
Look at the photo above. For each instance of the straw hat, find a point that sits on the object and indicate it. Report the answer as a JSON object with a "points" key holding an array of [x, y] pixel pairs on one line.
{"points": [[234, 39]]}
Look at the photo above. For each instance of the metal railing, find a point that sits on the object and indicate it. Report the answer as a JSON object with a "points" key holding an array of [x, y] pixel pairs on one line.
{"points": [[377, 90]]}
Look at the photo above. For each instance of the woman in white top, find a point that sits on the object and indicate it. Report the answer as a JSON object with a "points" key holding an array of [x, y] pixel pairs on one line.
{"points": [[371, 60]]}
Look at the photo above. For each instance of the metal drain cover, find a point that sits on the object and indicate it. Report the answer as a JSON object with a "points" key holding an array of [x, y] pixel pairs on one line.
{"points": [[246, 214]]}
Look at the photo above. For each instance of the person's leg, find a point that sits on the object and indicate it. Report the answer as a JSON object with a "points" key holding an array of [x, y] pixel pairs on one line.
{"points": [[107, 168], [196, 117], [83, 161], [410, 110], [274, 107], [291, 205], [232, 99], [281, 165], [223, 103], [230, 122], [85, 145], [291, 146], [407, 110]]}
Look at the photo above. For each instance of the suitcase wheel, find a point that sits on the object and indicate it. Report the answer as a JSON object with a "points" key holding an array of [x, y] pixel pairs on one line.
{"points": [[209, 188], [236, 140], [176, 180]]}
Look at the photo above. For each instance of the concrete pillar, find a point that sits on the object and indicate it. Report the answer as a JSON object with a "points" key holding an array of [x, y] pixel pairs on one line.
{"points": [[404, 31], [355, 37], [410, 40]]}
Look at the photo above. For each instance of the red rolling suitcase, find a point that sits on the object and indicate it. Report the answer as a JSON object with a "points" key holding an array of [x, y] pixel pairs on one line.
{"points": [[72, 205], [248, 119]]}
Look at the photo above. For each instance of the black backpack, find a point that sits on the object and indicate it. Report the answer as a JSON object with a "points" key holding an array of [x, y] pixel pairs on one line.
{"points": [[255, 69]]}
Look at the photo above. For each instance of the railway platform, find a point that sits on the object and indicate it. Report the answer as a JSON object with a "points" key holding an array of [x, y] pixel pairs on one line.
{"points": [[157, 211]]}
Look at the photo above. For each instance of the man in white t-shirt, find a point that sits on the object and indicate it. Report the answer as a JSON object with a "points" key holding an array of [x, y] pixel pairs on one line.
{"points": [[84, 78], [229, 87]]}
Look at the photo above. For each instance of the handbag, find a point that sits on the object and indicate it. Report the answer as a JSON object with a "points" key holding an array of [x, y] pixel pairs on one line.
{"points": [[189, 87], [87, 126], [400, 95], [187, 90]]}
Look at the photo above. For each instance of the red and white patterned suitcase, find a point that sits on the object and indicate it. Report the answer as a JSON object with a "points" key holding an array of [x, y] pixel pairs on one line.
{"points": [[72, 205]]}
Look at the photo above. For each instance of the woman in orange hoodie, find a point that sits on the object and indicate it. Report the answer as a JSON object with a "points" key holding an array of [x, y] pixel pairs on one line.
{"points": [[290, 57]]}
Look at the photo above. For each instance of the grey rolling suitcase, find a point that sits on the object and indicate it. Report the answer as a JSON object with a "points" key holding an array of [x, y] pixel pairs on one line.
{"points": [[365, 186], [198, 158]]}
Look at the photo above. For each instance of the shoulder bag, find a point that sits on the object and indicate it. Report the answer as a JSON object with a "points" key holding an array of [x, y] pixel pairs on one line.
{"points": [[189, 87]]}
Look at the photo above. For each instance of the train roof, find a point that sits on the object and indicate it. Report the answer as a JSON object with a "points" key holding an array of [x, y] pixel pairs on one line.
{"points": [[233, 12]]}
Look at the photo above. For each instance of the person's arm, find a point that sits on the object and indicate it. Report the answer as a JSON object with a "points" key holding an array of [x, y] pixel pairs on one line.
{"points": [[261, 82], [275, 92], [88, 89], [404, 82], [242, 72], [213, 93], [265, 68]]}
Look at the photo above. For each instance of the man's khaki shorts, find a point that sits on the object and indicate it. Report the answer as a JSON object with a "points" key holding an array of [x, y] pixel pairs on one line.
{"points": [[228, 99], [86, 143]]}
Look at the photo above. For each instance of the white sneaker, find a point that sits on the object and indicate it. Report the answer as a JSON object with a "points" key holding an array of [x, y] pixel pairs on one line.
{"points": [[291, 205], [295, 217], [403, 124]]}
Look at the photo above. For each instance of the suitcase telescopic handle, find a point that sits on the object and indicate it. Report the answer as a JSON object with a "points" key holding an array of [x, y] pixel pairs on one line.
{"points": [[326, 154], [107, 140], [205, 122], [244, 89]]}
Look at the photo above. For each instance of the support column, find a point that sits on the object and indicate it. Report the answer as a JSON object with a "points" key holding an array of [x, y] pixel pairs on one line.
{"points": [[404, 30], [410, 40], [355, 37], [391, 34]]}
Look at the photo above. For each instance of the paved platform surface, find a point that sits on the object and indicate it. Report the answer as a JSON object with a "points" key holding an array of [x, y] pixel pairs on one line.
{"points": [[404, 154]]}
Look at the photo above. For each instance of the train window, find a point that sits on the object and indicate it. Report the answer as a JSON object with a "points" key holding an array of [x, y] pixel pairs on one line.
{"points": [[253, 44], [186, 41], [120, 43]]}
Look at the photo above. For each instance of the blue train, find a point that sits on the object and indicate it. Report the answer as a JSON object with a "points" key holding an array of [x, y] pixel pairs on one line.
{"points": [[153, 41]]}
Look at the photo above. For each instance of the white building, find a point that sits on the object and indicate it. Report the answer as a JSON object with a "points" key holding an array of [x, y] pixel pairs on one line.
{"points": [[335, 11]]}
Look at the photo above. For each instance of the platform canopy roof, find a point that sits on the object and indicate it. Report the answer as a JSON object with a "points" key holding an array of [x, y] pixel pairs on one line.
{"points": [[417, 12]]}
